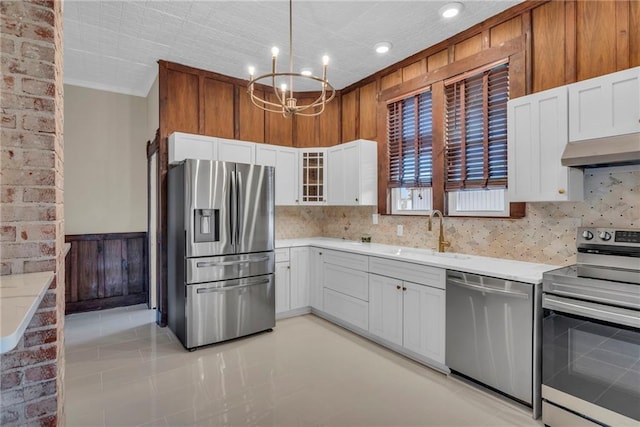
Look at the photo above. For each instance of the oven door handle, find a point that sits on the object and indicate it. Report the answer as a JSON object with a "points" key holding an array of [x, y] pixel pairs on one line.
{"points": [[618, 315]]}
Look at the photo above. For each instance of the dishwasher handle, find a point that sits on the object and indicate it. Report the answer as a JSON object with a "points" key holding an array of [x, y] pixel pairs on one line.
{"points": [[488, 290]]}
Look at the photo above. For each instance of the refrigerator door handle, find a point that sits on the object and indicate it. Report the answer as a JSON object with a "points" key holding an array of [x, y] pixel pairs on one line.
{"points": [[239, 205], [231, 288], [232, 207], [223, 263]]}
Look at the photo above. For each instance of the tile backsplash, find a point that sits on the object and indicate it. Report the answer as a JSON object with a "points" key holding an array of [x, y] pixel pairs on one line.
{"points": [[546, 234]]}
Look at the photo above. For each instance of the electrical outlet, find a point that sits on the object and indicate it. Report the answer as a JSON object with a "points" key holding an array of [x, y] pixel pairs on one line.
{"points": [[400, 230], [374, 218]]}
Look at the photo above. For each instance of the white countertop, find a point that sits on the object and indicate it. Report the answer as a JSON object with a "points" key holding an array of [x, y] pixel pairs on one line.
{"points": [[20, 296], [520, 271]]}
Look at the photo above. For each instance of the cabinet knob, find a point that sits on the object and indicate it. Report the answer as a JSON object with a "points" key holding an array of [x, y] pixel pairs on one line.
{"points": [[398, 287], [404, 289], [320, 253], [356, 199], [296, 200], [561, 191]]}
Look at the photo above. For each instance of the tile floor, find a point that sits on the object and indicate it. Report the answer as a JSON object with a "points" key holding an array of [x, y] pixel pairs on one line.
{"points": [[122, 369]]}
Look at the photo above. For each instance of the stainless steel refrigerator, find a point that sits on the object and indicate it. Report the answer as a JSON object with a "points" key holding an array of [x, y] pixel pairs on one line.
{"points": [[220, 251]]}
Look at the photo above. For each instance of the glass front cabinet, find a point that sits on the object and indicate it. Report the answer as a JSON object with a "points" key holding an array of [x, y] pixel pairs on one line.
{"points": [[313, 175]]}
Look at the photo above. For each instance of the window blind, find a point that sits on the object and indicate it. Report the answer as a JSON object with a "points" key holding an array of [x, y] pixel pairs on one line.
{"points": [[409, 133], [476, 130]]}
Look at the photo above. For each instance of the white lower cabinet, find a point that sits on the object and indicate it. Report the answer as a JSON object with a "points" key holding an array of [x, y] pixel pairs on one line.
{"points": [[423, 321], [346, 308], [315, 278], [282, 280], [299, 262], [385, 308], [292, 279], [346, 287], [407, 314]]}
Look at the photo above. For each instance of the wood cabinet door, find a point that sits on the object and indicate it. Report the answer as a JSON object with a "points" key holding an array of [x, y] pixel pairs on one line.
{"points": [[105, 271], [424, 320], [385, 308]]}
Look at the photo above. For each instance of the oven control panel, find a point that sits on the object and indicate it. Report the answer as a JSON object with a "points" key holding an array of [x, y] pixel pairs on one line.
{"points": [[608, 236]]}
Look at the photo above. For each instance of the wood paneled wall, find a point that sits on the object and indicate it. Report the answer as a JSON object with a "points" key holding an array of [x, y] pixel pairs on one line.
{"points": [[550, 43], [106, 271]]}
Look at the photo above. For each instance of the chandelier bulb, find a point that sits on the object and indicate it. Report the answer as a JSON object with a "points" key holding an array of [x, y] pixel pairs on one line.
{"points": [[252, 71], [274, 51], [325, 60]]}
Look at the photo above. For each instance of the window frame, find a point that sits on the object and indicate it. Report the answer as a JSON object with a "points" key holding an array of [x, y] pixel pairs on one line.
{"points": [[514, 50]]}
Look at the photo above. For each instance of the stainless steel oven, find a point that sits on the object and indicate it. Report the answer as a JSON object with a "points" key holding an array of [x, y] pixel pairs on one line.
{"points": [[591, 333]]}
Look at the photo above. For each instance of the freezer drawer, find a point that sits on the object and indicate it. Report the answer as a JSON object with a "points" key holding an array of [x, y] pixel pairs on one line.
{"points": [[213, 269], [220, 311]]}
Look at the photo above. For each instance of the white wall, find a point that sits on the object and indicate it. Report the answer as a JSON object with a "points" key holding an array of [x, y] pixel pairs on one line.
{"points": [[153, 110], [105, 137]]}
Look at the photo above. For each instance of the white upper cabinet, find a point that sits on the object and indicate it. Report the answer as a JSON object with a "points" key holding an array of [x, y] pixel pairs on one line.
{"points": [[230, 150], [188, 146], [537, 135], [313, 173], [343, 175], [353, 173], [605, 106], [285, 160]]}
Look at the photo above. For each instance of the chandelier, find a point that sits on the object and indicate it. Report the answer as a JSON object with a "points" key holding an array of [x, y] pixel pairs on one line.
{"points": [[287, 104]]}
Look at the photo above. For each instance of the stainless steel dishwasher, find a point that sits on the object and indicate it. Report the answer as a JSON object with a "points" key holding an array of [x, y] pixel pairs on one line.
{"points": [[493, 334]]}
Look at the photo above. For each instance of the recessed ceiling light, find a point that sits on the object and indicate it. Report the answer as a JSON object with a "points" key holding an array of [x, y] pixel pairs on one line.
{"points": [[450, 10], [382, 47], [306, 72]]}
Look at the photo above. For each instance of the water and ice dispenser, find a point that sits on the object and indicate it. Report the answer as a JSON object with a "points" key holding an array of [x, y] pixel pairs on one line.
{"points": [[207, 225]]}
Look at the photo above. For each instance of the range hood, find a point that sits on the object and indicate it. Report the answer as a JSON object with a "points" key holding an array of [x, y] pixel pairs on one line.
{"points": [[613, 150]]}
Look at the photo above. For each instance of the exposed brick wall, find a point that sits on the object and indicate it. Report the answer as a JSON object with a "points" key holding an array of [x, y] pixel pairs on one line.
{"points": [[31, 203]]}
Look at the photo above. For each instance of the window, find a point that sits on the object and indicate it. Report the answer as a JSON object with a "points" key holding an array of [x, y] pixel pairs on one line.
{"points": [[409, 127], [476, 142]]}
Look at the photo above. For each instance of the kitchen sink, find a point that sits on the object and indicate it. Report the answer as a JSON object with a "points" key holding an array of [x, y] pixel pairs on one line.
{"points": [[450, 255]]}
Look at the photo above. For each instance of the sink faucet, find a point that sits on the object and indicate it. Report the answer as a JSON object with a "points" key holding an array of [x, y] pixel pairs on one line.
{"points": [[442, 244]]}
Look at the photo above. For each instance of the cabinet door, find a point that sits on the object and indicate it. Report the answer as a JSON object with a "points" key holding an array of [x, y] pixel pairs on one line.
{"points": [[230, 150], [299, 277], [313, 176], [283, 286], [315, 278], [352, 179], [605, 106], [335, 176], [424, 309], [537, 134], [187, 146], [285, 160], [385, 308]]}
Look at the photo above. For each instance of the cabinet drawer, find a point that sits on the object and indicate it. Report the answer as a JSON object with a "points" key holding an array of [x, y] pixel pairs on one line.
{"points": [[282, 254], [347, 281], [346, 308], [408, 271], [346, 259]]}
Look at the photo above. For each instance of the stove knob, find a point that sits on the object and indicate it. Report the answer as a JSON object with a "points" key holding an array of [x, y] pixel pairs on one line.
{"points": [[604, 235], [587, 235]]}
